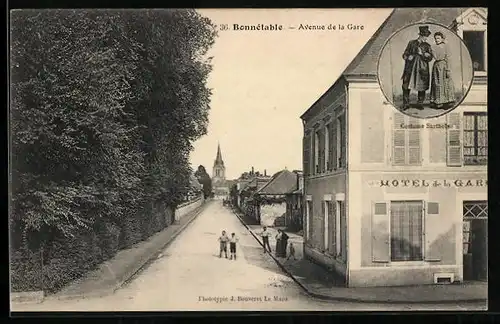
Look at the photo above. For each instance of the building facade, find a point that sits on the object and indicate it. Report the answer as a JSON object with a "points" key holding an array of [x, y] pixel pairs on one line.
{"points": [[270, 200], [394, 200], [220, 187]]}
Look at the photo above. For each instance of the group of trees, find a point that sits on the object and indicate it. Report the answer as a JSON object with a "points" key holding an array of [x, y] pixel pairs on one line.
{"points": [[105, 106], [205, 180]]}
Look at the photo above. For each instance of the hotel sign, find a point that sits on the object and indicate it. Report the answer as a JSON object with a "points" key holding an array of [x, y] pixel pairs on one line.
{"points": [[446, 183]]}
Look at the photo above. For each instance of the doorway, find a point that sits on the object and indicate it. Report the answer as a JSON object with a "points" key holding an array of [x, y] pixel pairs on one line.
{"points": [[475, 241]]}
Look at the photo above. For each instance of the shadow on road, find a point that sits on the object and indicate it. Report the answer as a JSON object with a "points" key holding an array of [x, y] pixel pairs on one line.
{"points": [[254, 256]]}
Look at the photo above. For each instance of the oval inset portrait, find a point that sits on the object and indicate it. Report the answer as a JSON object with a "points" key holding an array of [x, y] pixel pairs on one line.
{"points": [[425, 70]]}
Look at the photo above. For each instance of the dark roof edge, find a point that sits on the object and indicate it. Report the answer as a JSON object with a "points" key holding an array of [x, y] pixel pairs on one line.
{"points": [[340, 78]]}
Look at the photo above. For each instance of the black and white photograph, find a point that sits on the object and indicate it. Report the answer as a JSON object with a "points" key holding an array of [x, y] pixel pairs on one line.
{"points": [[253, 160], [425, 70]]}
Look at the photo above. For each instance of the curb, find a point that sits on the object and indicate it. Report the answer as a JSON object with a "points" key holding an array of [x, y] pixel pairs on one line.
{"points": [[141, 266], [357, 300]]}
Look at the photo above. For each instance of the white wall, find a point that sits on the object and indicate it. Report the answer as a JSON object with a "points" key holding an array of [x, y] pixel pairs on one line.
{"points": [[186, 208]]}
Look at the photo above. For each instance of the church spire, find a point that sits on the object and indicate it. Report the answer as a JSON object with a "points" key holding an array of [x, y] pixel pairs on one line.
{"points": [[218, 159]]}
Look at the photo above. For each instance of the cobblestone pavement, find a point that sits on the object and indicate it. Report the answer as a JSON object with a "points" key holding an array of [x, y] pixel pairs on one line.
{"points": [[189, 275]]}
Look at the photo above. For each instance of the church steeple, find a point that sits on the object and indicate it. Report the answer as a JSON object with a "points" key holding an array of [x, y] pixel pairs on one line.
{"points": [[218, 159]]}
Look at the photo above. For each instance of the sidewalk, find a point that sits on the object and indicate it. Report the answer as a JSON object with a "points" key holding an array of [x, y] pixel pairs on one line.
{"points": [[112, 274], [321, 283]]}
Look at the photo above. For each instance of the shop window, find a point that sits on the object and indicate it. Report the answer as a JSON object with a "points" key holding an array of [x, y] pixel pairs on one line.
{"points": [[406, 230], [475, 42], [475, 138]]}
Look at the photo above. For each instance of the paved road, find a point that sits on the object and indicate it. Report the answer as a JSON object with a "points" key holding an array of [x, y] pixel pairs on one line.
{"points": [[189, 275]]}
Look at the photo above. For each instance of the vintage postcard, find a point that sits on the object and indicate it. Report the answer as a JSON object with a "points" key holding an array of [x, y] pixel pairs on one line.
{"points": [[248, 159]]}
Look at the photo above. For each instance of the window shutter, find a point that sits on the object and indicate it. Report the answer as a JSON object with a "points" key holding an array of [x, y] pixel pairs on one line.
{"points": [[306, 154], [343, 141], [313, 154], [399, 142], [333, 146], [414, 149], [381, 236], [332, 223], [432, 250], [454, 140]]}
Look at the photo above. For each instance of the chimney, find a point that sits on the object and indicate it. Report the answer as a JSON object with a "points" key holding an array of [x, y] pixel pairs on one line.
{"points": [[265, 173], [252, 171]]}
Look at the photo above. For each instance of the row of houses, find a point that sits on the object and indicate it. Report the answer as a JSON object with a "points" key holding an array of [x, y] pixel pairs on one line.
{"points": [[271, 200], [380, 211]]}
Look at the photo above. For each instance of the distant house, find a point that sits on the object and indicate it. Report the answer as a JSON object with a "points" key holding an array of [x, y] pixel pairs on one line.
{"points": [[270, 200], [294, 206], [246, 185]]}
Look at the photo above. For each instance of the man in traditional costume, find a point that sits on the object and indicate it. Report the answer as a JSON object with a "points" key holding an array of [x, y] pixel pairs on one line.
{"points": [[416, 76]]}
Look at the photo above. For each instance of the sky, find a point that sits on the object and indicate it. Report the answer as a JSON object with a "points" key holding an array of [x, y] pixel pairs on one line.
{"points": [[263, 81]]}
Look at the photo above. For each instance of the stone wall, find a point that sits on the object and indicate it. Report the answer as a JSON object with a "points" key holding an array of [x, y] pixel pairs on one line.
{"points": [[188, 207]]}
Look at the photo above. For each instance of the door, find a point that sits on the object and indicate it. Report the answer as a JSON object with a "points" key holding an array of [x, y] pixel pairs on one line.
{"points": [[479, 249], [475, 241]]}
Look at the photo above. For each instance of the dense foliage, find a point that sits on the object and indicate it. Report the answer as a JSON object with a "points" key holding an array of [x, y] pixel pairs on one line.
{"points": [[105, 106], [205, 180]]}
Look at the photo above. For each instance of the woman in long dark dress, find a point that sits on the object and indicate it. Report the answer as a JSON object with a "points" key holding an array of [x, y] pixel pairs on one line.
{"points": [[442, 87], [284, 243], [278, 243]]}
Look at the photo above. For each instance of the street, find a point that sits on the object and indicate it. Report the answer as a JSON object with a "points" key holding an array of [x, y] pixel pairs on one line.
{"points": [[189, 275]]}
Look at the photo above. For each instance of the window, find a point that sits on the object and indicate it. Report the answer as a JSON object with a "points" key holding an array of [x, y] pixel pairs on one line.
{"points": [[475, 138], [475, 209], [466, 237], [406, 230], [475, 42]]}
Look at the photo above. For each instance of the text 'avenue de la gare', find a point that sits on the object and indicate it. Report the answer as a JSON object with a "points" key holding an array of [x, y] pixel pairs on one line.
{"points": [[278, 27], [433, 183]]}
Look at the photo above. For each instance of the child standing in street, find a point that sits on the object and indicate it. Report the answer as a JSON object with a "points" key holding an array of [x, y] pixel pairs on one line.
{"points": [[223, 239], [292, 252], [232, 246]]}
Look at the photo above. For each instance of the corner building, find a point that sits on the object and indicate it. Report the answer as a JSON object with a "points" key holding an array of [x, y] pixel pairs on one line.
{"points": [[387, 205]]}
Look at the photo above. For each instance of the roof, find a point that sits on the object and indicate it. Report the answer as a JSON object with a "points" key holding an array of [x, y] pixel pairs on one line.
{"points": [[365, 62], [281, 183]]}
